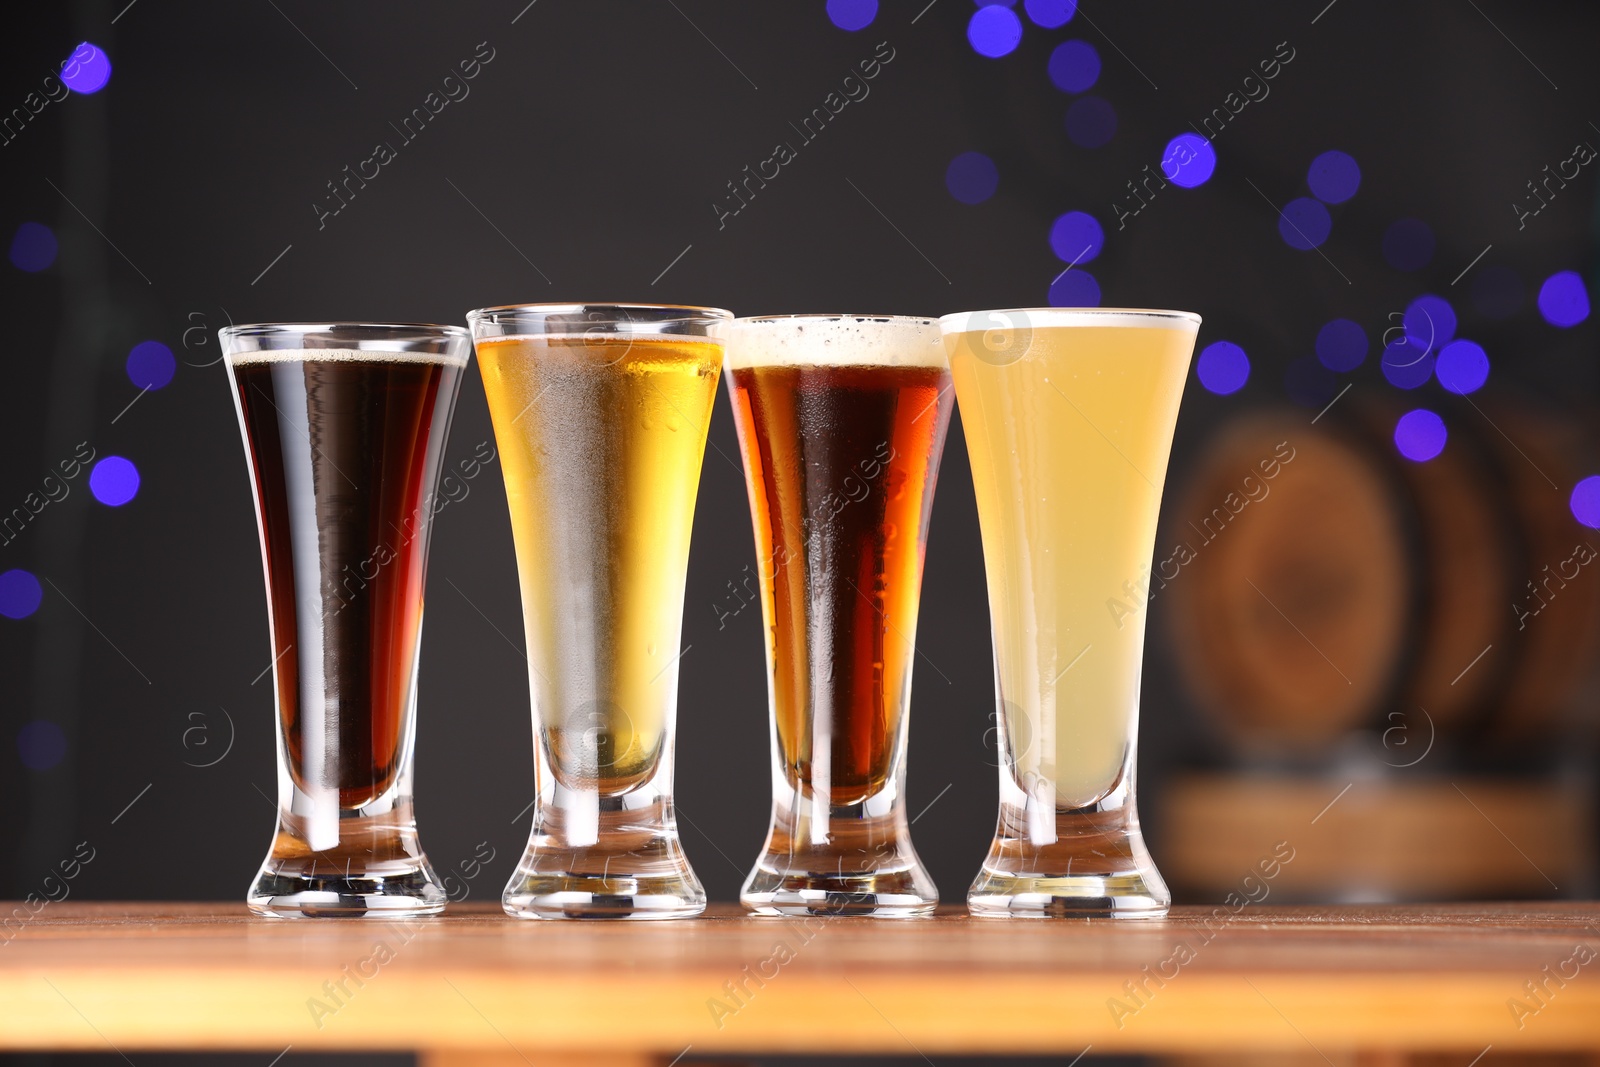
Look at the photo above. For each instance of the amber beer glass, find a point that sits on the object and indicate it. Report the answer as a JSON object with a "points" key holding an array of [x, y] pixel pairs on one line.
{"points": [[344, 426], [841, 422], [1068, 415], [601, 414]]}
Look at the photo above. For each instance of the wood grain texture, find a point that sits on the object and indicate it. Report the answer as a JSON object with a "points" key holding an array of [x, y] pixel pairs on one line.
{"points": [[1264, 979]]}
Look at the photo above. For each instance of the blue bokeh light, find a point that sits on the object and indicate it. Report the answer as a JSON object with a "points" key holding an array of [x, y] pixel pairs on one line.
{"points": [[1420, 435], [1407, 364], [994, 31], [1223, 367], [1408, 245], [1050, 13], [1463, 367], [1189, 160], [41, 745], [1074, 288], [1497, 292], [1430, 322], [852, 15], [1563, 299], [114, 481], [1304, 223], [1309, 383], [1091, 122], [34, 247], [1342, 345], [1074, 66], [20, 594], [1076, 237], [972, 177], [151, 365], [1585, 502], [1334, 177], [86, 70]]}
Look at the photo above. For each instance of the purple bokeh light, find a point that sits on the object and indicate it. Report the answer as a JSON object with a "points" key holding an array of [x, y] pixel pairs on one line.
{"points": [[86, 70], [114, 481], [1076, 237], [1189, 160], [1430, 322], [1074, 66], [1463, 367], [1050, 13], [20, 594], [1074, 288], [1342, 345], [1223, 367], [1406, 364], [972, 177], [1564, 299], [151, 365], [34, 247], [1304, 223], [1334, 177], [1585, 502], [1420, 435], [41, 745], [994, 31], [852, 15]]}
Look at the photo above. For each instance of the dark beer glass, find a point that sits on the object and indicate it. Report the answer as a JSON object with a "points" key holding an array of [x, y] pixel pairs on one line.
{"points": [[344, 427], [841, 423]]}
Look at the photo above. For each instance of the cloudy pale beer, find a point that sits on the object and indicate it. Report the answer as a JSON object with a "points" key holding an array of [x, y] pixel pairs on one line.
{"points": [[1069, 416], [841, 423], [601, 416]]}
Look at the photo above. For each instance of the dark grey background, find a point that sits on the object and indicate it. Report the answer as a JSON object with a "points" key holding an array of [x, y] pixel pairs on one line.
{"points": [[594, 145]]}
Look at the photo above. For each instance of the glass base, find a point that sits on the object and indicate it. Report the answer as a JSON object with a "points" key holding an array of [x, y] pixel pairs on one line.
{"points": [[1096, 866], [376, 871], [636, 869], [798, 876]]}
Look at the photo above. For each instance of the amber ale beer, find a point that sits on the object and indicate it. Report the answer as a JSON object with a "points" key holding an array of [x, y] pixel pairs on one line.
{"points": [[841, 422], [345, 446]]}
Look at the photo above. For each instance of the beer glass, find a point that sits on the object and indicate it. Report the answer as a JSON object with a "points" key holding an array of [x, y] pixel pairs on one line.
{"points": [[841, 423], [1068, 416], [601, 414], [344, 426]]}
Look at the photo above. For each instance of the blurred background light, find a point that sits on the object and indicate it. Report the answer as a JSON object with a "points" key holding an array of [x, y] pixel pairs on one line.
{"points": [[1430, 322], [1420, 435], [1563, 299], [151, 365], [972, 177], [1407, 364], [114, 481], [1408, 245], [1585, 501], [1091, 122], [1074, 288], [852, 15], [1189, 160], [1497, 292], [1463, 367], [1342, 345], [1074, 66], [994, 31], [1076, 237], [41, 745], [1050, 13], [20, 594], [1334, 177], [1309, 383], [1223, 367], [87, 75], [1304, 223], [34, 247]]}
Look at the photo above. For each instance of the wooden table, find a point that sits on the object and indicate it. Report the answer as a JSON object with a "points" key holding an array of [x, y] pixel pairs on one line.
{"points": [[476, 987]]}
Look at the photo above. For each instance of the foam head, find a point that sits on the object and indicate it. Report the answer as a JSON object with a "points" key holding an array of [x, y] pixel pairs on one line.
{"points": [[835, 340], [343, 355]]}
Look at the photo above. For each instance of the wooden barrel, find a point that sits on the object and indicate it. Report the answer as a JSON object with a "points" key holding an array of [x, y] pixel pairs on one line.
{"points": [[1318, 581]]}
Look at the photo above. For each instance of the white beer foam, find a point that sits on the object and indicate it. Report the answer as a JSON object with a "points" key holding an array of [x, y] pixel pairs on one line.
{"points": [[343, 355], [1045, 318], [835, 341]]}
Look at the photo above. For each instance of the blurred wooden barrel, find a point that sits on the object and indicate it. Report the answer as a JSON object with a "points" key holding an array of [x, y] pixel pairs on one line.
{"points": [[1320, 582]]}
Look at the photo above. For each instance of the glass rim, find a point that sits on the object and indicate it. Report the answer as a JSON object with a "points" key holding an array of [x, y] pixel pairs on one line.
{"points": [[688, 312], [265, 329], [897, 320], [1073, 316]]}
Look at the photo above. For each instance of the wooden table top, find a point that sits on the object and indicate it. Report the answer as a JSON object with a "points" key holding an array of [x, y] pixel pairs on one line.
{"points": [[209, 976]]}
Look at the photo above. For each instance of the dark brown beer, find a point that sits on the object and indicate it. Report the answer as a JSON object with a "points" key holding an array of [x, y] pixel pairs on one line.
{"points": [[841, 462], [344, 449]]}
